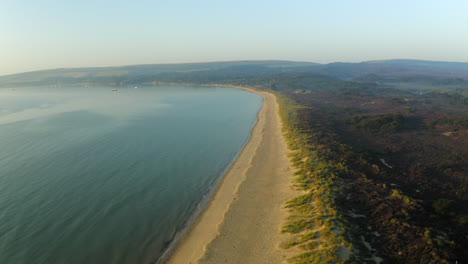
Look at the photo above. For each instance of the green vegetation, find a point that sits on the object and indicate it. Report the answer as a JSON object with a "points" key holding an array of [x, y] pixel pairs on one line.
{"points": [[443, 207], [320, 228], [382, 123], [339, 179], [461, 122]]}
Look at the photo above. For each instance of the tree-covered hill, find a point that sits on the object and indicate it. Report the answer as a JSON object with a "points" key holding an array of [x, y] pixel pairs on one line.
{"points": [[391, 72]]}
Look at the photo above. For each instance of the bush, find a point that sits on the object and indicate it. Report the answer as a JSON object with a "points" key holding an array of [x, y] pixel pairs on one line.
{"points": [[382, 123], [442, 206]]}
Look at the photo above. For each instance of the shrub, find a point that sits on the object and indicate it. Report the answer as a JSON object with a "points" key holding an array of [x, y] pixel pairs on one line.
{"points": [[442, 206]]}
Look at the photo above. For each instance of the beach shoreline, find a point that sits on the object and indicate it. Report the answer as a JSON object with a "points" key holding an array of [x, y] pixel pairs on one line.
{"points": [[258, 183], [206, 200]]}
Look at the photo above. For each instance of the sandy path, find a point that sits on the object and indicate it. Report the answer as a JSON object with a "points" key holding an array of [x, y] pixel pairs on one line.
{"points": [[242, 223]]}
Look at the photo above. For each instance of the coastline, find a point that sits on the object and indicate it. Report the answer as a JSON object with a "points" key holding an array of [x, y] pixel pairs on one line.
{"points": [[207, 198], [258, 183]]}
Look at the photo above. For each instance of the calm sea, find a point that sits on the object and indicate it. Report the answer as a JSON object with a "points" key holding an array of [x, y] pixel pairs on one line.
{"points": [[92, 175]]}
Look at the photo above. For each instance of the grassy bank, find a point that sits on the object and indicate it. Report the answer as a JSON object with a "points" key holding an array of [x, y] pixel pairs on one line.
{"points": [[321, 231]]}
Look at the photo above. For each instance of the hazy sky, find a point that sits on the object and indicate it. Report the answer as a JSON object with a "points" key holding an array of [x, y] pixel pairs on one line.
{"points": [[41, 34]]}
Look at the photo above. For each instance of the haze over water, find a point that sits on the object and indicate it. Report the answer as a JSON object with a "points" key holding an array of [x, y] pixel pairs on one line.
{"points": [[91, 175]]}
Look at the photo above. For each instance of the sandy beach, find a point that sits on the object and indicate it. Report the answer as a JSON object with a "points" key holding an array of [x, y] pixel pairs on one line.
{"points": [[242, 223]]}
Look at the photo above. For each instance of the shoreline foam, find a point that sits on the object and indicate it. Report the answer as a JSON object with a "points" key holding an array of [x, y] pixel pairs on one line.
{"points": [[257, 183]]}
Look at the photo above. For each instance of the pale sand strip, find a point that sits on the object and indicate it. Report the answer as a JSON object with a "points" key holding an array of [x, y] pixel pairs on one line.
{"points": [[242, 223]]}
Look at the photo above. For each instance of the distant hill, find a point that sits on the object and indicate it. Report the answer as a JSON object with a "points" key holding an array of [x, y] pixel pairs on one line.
{"points": [[385, 71], [110, 74], [398, 68]]}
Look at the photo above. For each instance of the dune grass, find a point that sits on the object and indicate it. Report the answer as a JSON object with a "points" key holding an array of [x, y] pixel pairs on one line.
{"points": [[318, 226]]}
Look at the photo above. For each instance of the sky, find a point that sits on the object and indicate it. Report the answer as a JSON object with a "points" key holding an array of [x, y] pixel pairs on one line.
{"points": [[45, 34]]}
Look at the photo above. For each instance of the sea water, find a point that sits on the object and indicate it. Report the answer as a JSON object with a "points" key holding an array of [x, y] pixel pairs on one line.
{"points": [[111, 175]]}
